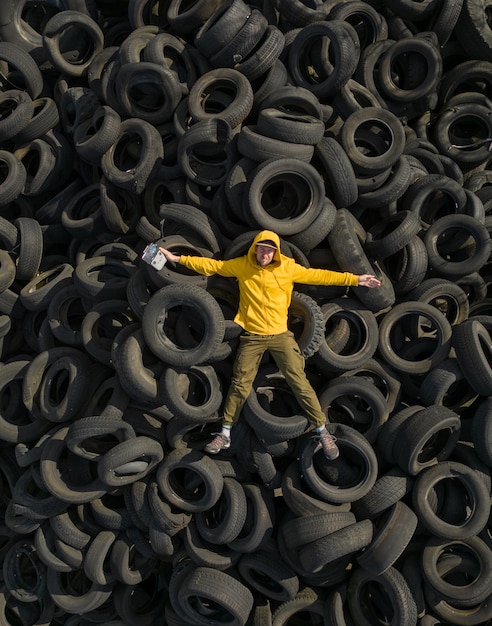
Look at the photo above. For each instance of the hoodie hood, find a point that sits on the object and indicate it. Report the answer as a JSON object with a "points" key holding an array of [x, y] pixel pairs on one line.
{"points": [[262, 236]]}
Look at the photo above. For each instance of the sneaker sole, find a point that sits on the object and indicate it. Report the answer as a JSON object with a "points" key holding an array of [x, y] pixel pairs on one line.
{"points": [[333, 458], [215, 451]]}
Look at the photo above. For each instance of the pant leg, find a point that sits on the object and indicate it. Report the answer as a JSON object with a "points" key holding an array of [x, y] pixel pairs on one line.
{"points": [[250, 351], [288, 357]]}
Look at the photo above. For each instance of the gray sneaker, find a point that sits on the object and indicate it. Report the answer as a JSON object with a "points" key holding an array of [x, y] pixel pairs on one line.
{"points": [[218, 443], [330, 448]]}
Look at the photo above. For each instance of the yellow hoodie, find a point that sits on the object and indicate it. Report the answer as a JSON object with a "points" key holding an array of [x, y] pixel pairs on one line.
{"points": [[265, 292]]}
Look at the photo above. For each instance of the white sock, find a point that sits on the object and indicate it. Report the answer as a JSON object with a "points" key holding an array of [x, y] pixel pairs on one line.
{"points": [[320, 429], [226, 431]]}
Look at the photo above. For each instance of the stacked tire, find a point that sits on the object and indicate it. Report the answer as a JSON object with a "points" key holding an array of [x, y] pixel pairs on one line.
{"points": [[360, 132]]}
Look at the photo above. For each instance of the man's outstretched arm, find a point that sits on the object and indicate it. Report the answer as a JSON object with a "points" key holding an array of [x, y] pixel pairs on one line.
{"points": [[368, 280], [169, 255]]}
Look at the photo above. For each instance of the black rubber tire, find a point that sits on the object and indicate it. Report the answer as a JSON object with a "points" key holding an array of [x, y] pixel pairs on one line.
{"points": [[24, 573], [36, 295], [307, 604], [454, 265], [264, 55], [7, 270], [260, 520], [362, 463], [299, 14], [284, 195], [194, 393], [305, 529], [391, 234], [204, 139], [471, 340], [176, 214], [309, 333], [158, 308], [64, 387], [84, 432], [185, 18], [446, 295], [94, 595], [44, 118], [347, 541], [207, 554], [400, 81], [427, 437], [440, 348], [44, 542], [89, 37], [294, 99], [94, 136], [231, 599], [137, 367], [57, 482], [474, 511], [270, 426], [96, 561], [391, 585], [128, 564], [447, 132], [170, 520], [481, 431], [177, 493], [101, 325], [221, 27], [13, 177], [468, 616], [349, 253], [224, 93], [222, 523], [129, 461], [474, 554], [137, 80], [338, 35], [134, 156], [300, 499], [268, 575], [337, 171], [31, 246], [393, 533], [389, 431], [168, 50], [15, 426], [296, 128], [47, 391], [131, 610], [254, 145], [17, 109], [389, 488], [352, 97], [243, 42], [356, 402], [385, 121], [362, 338], [309, 238], [24, 71]]}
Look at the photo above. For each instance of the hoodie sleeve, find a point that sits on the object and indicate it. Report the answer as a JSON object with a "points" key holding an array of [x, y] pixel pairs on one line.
{"points": [[208, 267], [313, 276]]}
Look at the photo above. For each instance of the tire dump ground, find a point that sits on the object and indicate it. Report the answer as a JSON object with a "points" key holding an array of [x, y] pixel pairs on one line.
{"points": [[361, 132]]}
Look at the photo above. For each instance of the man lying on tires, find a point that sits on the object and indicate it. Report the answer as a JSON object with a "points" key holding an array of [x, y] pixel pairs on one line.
{"points": [[266, 280]]}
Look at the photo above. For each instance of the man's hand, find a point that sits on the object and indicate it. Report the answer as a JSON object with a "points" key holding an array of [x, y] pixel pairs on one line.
{"points": [[169, 255], [368, 280]]}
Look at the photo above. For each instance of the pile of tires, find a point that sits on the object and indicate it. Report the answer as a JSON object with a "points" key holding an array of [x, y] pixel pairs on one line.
{"points": [[361, 133]]}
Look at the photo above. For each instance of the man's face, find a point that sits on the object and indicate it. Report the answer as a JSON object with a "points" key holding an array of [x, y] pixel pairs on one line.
{"points": [[264, 255]]}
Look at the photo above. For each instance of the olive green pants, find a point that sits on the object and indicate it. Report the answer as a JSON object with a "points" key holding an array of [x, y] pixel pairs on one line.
{"points": [[287, 355]]}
